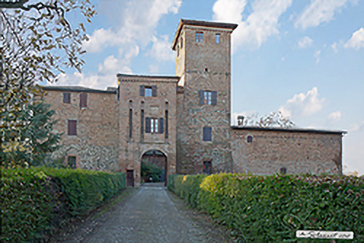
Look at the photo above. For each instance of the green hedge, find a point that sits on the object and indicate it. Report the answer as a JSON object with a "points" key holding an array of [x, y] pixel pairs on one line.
{"points": [[273, 208], [37, 201]]}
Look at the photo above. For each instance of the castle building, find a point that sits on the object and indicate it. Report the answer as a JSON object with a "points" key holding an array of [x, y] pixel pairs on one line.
{"points": [[181, 123]]}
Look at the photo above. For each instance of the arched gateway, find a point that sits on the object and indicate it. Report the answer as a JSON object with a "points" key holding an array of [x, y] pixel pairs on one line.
{"points": [[154, 164]]}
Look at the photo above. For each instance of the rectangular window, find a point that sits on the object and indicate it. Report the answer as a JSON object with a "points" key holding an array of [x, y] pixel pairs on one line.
{"points": [[148, 91], [71, 162], [72, 127], [208, 97], [154, 125], [83, 100], [67, 98], [199, 36], [217, 38], [207, 134], [207, 167], [130, 123]]}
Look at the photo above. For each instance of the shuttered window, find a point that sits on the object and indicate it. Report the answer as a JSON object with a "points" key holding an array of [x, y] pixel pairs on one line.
{"points": [[148, 91], [67, 98], [207, 97], [83, 100], [72, 127], [207, 134], [154, 125]]}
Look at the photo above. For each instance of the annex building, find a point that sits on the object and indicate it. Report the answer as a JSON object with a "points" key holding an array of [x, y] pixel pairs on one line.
{"points": [[182, 122]]}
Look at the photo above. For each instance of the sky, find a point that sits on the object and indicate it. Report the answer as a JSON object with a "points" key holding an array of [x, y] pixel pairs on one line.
{"points": [[303, 58]]}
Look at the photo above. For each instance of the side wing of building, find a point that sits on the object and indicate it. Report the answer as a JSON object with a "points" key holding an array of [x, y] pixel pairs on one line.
{"points": [[88, 119], [267, 151]]}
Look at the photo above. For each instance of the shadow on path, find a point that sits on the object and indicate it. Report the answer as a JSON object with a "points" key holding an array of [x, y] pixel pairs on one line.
{"points": [[149, 214]]}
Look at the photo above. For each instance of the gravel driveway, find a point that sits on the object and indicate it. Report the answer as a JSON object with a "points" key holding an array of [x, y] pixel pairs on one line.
{"points": [[149, 214]]}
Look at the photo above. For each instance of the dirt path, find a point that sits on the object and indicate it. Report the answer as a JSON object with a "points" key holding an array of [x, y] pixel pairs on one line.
{"points": [[149, 214]]}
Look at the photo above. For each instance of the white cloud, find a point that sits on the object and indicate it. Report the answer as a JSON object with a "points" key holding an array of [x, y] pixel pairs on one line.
{"points": [[303, 104], [317, 56], [357, 127], [357, 40], [334, 47], [305, 42], [258, 26], [335, 116], [317, 12], [161, 49], [134, 24]]}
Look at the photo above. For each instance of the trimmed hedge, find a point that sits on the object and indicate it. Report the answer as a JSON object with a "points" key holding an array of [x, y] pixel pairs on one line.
{"points": [[37, 201], [273, 208]]}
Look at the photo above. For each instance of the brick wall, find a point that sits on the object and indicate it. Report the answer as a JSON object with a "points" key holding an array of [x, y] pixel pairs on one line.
{"points": [[205, 66], [298, 152], [133, 148], [96, 143]]}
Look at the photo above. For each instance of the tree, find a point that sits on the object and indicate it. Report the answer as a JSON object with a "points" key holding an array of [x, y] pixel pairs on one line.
{"points": [[274, 119], [33, 139], [37, 42]]}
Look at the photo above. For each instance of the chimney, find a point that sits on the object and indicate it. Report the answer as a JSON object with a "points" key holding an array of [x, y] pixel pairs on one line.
{"points": [[240, 120]]}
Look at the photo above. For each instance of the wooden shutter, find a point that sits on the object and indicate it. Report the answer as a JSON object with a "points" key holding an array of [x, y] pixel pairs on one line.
{"points": [[154, 90], [207, 134], [83, 100], [147, 124], [67, 98], [201, 97], [214, 98], [141, 90], [161, 130], [72, 127]]}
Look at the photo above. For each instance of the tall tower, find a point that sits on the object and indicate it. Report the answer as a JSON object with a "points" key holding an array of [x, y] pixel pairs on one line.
{"points": [[203, 63]]}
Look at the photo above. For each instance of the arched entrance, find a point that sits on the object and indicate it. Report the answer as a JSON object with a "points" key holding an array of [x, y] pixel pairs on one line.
{"points": [[154, 166]]}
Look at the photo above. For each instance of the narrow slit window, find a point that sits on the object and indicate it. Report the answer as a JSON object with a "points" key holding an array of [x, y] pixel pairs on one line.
{"points": [[217, 38]]}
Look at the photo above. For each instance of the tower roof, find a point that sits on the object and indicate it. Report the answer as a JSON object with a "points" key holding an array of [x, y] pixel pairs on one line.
{"points": [[200, 23]]}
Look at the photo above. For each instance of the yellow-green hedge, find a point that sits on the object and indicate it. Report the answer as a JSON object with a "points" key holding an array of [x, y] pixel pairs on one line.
{"points": [[34, 202], [273, 208]]}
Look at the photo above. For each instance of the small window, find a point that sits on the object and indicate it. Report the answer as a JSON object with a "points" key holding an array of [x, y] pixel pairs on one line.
{"points": [[148, 91], [199, 36], [207, 167], [208, 97], [83, 100], [217, 38], [283, 170], [181, 43], [67, 98], [71, 162], [249, 139], [154, 125], [207, 134], [72, 127]]}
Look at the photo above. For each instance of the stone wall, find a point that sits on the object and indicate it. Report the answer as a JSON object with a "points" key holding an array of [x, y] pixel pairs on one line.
{"points": [[96, 143], [297, 151], [203, 66], [133, 148]]}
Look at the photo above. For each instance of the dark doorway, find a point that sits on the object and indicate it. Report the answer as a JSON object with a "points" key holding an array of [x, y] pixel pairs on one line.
{"points": [[130, 178], [154, 166]]}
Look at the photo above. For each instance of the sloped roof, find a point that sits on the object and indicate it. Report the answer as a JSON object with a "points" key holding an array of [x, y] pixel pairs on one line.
{"points": [[293, 129]]}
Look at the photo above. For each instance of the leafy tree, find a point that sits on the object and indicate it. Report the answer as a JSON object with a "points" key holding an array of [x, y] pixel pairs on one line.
{"points": [[150, 170], [37, 42], [274, 119], [31, 139]]}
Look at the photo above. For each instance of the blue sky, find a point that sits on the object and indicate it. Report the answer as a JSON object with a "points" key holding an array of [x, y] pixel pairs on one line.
{"points": [[304, 58]]}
